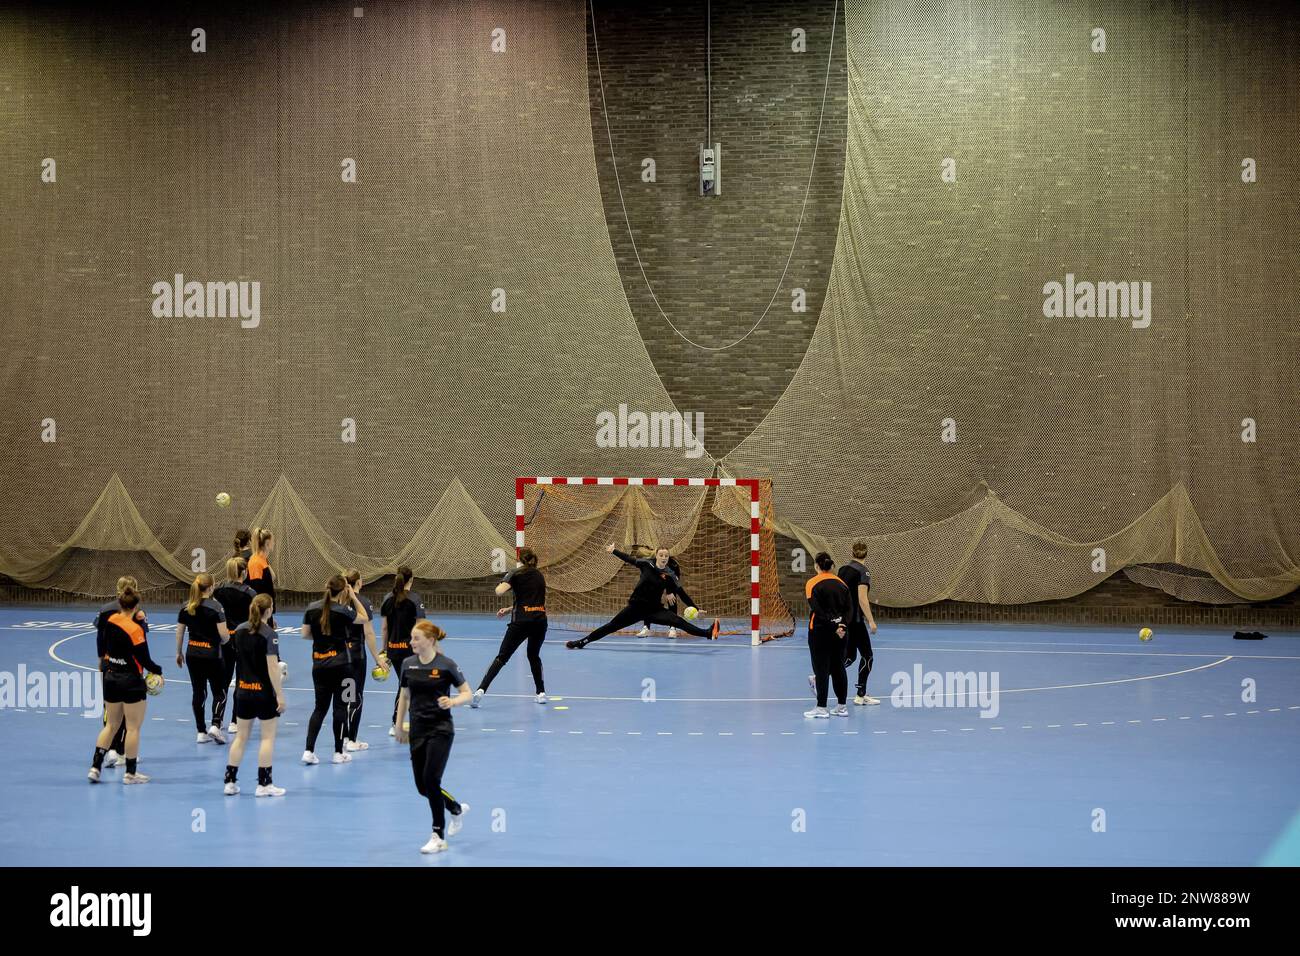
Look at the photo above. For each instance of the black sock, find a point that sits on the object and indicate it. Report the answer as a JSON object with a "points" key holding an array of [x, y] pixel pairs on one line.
{"points": [[98, 760], [263, 776], [130, 764], [231, 773]]}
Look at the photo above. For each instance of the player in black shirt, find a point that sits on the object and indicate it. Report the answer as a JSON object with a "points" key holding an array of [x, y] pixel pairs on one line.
{"points": [[863, 624], [527, 623], [656, 584], [235, 597], [830, 607], [125, 659], [400, 610], [118, 745], [361, 634], [205, 620], [327, 624], [428, 680], [259, 695]]}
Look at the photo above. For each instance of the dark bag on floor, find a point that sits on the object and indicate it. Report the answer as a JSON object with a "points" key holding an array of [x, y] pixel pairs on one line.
{"points": [[1248, 636]]}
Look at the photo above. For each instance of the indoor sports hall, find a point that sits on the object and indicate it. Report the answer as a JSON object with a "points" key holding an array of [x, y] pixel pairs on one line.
{"points": [[550, 433]]}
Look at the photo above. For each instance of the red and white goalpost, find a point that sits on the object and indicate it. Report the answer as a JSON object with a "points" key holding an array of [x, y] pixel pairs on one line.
{"points": [[751, 485]]}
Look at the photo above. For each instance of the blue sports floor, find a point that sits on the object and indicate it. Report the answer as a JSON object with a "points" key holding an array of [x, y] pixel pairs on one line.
{"points": [[1104, 751]]}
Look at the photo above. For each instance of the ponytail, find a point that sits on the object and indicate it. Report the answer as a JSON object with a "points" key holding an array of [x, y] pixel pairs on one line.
{"points": [[235, 569], [824, 561], [128, 599], [200, 584], [404, 577], [335, 586], [242, 537], [258, 611], [259, 539], [528, 558]]}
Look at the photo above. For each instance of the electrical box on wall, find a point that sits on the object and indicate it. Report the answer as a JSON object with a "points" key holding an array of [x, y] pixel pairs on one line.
{"points": [[711, 169]]}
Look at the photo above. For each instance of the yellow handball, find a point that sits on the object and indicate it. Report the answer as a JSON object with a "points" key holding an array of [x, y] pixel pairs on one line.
{"points": [[153, 684], [691, 613], [379, 673], [1145, 634], [223, 500]]}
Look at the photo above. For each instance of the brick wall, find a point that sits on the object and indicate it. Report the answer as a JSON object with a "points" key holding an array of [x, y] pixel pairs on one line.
{"points": [[714, 264]]}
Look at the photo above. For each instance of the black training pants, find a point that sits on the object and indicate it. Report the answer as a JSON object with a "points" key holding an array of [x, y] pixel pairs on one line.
{"points": [[827, 650], [429, 755], [859, 645], [534, 632], [207, 672], [329, 689]]}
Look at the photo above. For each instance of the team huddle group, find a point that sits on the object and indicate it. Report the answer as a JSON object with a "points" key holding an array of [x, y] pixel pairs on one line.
{"points": [[340, 626]]}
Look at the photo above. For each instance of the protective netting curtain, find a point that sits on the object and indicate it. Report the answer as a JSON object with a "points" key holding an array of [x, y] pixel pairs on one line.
{"points": [[1072, 434], [475, 172]]}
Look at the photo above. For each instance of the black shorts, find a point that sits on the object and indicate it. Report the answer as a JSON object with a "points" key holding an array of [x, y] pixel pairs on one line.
{"points": [[124, 688], [255, 706]]}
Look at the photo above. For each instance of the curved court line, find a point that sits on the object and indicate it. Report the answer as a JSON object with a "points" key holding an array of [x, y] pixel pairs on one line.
{"points": [[773, 700], [787, 700]]}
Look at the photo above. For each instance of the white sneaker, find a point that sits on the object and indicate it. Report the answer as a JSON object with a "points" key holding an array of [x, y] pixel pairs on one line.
{"points": [[840, 711], [392, 731], [310, 758], [477, 698], [93, 776], [202, 738], [644, 632], [352, 746], [542, 698], [136, 778], [436, 844], [269, 790], [816, 712], [457, 820], [111, 758], [864, 699], [672, 632], [230, 789], [232, 729], [343, 757], [215, 733]]}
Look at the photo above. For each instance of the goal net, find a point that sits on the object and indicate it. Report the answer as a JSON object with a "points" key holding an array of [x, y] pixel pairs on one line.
{"points": [[718, 529]]}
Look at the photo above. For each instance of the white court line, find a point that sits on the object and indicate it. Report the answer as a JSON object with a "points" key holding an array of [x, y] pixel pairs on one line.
{"points": [[880, 645]]}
